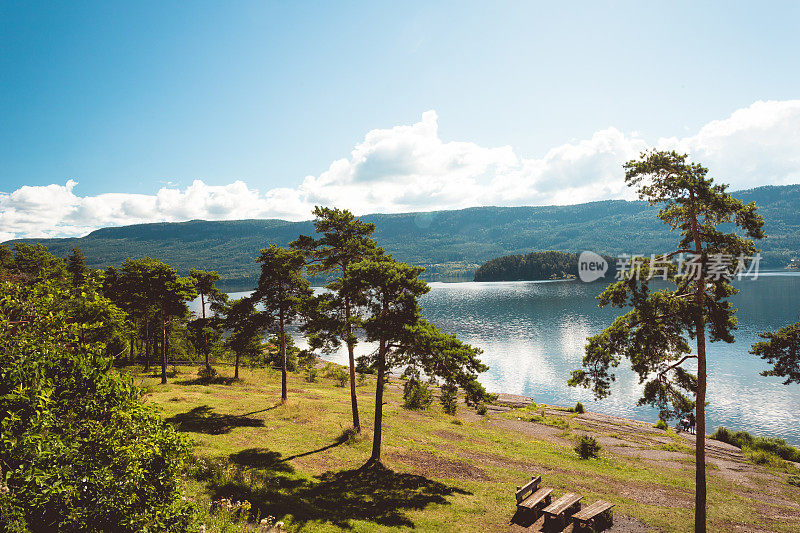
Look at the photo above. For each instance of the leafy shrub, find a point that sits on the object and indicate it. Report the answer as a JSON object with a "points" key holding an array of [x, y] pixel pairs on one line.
{"points": [[771, 445], [763, 458], [417, 395], [661, 425], [481, 409], [340, 377], [207, 374], [794, 479], [579, 408], [587, 447], [79, 451], [449, 398], [723, 434], [362, 378]]}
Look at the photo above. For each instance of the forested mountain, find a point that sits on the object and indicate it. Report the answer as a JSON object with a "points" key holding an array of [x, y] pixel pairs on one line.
{"points": [[446, 242]]}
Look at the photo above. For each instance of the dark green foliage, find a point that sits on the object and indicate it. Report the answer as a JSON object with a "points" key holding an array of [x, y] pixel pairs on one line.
{"points": [[578, 408], [771, 445], [481, 409], [794, 479], [78, 451], [332, 317], [76, 266], [587, 447], [311, 374], [448, 397], [207, 331], [272, 353], [389, 293], [417, 395], [655, 334], [246, 327], [661, 424], [6, 257], [465, 236], [781, 349], [34, 261], [531, 266], [282, 292], [206, 374]]}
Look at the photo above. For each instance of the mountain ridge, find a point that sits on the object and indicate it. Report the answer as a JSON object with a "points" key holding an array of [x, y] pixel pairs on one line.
{"points": [[450, 243]]}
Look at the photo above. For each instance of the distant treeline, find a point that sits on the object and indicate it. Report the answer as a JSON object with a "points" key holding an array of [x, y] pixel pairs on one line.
{"points": [[532, 266]]}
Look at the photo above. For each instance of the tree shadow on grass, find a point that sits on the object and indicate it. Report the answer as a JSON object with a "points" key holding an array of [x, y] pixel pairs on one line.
{"points": [[372, 493], [261, 458], [217, 380], [203, 419]]}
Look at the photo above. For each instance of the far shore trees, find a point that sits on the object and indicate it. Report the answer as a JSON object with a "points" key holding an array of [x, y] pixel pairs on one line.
{"points": [[389, 290], [655, 334], [344, 241], [282, 291]]}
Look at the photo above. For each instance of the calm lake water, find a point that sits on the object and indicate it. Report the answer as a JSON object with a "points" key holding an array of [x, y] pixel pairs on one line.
{"points": [[533, 334]]}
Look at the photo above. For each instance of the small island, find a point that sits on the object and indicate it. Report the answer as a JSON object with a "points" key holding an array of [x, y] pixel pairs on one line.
{"points": [[529, 267]]}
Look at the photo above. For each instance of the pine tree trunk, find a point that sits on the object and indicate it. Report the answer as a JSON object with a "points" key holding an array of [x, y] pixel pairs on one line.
{"points": [[236, 367], [700, 403], [163, 349], [377, 431], [147, 347], [203, 331], [283, 360], [351, 357]]}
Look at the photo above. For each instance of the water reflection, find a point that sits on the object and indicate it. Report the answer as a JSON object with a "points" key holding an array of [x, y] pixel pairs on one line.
{"points": [[533, 334]]}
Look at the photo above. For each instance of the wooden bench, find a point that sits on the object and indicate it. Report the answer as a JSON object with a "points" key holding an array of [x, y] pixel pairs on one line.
{"points": [[530, 497], [563, 507], [595, 518]]}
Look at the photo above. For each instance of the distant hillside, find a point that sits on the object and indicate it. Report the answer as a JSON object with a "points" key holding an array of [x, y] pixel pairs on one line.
{"points": [[448, 243]]}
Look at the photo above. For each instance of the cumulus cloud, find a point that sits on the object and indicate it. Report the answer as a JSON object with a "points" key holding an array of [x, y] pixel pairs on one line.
{"points": [[410, 168]]}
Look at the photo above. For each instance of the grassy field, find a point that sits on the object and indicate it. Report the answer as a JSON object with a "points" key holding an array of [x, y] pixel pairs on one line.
{"points": [[297, 463]]}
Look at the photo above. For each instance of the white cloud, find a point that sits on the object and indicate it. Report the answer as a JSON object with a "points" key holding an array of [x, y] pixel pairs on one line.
{"points": [[410, 168]]}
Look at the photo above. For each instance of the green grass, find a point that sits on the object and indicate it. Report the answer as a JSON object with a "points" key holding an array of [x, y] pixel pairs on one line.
{"points": [[298, 463]]}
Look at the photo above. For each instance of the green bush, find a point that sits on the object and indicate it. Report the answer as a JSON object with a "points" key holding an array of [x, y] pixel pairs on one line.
{"points": [[661, 425], [449, 398], [417, 395], [579, 408], [79, 451], [481, 409], [587, 447], [339, 375], [771, 445], [794, 479], [207, 374], [723, 434]]}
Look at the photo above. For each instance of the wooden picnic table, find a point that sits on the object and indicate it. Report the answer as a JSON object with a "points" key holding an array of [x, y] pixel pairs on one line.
{"points": [[565, 506], [530, 496], [596, 517]]}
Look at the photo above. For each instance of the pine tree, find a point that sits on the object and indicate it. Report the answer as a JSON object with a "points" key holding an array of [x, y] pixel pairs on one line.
{"points": [[655, 334]]}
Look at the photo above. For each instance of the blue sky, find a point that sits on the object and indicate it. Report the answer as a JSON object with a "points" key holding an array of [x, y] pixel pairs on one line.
{"points": [[137, 97]]}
